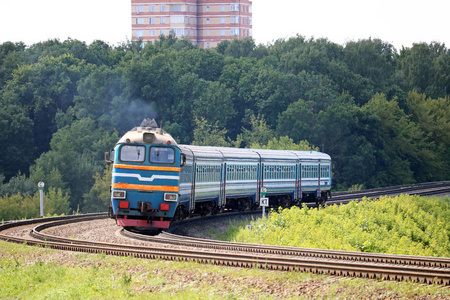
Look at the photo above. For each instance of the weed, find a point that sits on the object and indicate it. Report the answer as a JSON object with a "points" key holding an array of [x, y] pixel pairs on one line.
{"points": [[400, 225], [126, 279]]}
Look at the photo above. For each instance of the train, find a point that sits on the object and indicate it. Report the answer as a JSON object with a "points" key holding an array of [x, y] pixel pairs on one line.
{"points": [[156, 181]]}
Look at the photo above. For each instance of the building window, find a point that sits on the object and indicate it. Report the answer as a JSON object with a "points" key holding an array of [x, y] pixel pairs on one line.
{"points": [[152, 32], [162, 32], [139, 33], [178, 31], [162, 8], [222, 32], [207, 20], [207, 8], [234, 31], [139, 9], [234, 19], [222, 8], [251, 32], [177, 19], [250, 21], [207, 45], [175, 8], [151, 21], [250, 8], [234, 7], [222, 20], [152, 8], [140, 21], [162, 20], [207, 32]]}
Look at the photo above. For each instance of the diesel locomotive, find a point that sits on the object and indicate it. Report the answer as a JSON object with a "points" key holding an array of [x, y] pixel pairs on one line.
{"points": [[155, 181]]}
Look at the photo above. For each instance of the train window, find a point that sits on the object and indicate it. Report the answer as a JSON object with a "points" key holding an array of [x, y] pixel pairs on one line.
{"points": [[162, 155], [132, 153], [325, 171]]}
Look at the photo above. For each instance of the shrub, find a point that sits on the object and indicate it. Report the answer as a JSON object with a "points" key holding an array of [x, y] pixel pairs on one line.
{"points": [[405, 224]]}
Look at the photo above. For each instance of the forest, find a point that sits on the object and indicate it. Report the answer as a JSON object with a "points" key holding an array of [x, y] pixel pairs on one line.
{"points": [[381, 113]]}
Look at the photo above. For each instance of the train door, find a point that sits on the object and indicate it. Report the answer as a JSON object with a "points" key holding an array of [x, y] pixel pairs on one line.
{"points": [[298, 183], [223, 179]]}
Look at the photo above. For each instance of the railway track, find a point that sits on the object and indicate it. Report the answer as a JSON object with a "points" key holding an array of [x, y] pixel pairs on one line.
{"points": [[341, 263], [421, 189]]}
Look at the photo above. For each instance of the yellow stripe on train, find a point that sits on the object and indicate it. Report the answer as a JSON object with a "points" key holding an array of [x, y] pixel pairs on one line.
{"points": [[148, 168], [159, 188]]}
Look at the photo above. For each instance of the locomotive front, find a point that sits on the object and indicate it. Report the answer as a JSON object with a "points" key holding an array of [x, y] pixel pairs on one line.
{"points": [[145, 178]]}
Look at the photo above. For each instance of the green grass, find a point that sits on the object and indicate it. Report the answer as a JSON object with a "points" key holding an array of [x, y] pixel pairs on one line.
{"points": [[38, 273], [405, 224]]}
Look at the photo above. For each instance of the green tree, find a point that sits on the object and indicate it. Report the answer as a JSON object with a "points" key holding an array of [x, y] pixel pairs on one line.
{"points": [[433, 118], [207, 65], [213, 103], [372, 59], [76, 155], [239, 76], [56, 202], [403, 139], [17, 206], [425, 68], [98, 94], [238, 47], [99, 197], [18, 184], [209, 135], [349, 135], [297, 121], [286, 143], [17, 151], [153, 79], [258, 135], [12, 55], [41, 90]]}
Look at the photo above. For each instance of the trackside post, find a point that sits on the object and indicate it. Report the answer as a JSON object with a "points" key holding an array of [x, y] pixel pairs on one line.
{"points": [[41, 197], [264, 202]]}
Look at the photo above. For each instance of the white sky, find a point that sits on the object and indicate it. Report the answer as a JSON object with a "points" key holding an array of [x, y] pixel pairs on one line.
{"points": [[399, 22]]}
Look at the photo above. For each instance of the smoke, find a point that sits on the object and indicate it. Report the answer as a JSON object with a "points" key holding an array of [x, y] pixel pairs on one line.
{"points": [[129, 114]]}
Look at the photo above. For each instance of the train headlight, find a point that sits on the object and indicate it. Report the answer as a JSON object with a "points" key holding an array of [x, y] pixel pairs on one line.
{"points": [[148, 138], [119, 194], [170, 197]]}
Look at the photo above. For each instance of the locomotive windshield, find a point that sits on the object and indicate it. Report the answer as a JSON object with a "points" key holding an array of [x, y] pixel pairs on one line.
{"points": [[132, 153], [162, 155]]}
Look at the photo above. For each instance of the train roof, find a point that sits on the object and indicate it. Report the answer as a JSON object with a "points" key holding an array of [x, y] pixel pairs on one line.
{"points": [[152, 135], [228, 153], [147, 135]]}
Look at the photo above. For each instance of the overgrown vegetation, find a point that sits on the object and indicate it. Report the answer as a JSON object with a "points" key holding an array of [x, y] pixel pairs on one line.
{"points": [[405, 224], [381, 113], [36, 273]]}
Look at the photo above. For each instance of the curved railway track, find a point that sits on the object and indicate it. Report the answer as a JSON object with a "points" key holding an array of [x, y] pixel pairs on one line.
{"points": [[341, 263]]}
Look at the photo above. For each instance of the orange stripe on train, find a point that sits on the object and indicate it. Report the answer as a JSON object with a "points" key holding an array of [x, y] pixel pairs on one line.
{"points": [[160, 188], [148, 168]]}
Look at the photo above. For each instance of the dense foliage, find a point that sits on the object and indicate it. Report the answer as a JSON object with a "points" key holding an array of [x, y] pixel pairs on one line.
{"points": [[381, 114], [401, 225]]}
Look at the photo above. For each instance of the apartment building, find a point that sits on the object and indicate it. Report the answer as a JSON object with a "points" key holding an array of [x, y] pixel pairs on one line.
{"points": [[205, 22]]}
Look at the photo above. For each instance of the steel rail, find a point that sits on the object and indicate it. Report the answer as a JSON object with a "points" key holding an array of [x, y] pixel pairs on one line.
{"points": [[338, 265], [394, 190], [249, 261], [425, 269]]}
